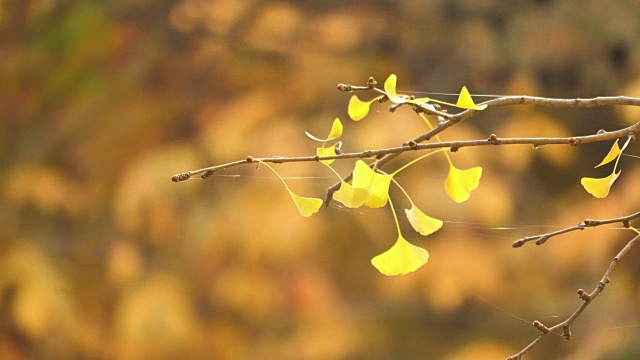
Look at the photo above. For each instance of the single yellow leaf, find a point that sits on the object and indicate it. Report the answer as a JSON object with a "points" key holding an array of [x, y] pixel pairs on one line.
{"points": [[421, 222], [392, 94], [612, 155], [460, 183], [306, 206], [599, 187], [378, 184], [336, 132], [329, 151], [402, 258], [351, 197], [359, 109], [466, 102], [390, 89]]}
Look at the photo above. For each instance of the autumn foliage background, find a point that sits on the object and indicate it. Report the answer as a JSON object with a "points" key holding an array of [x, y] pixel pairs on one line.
{"points": [[103, 257]]}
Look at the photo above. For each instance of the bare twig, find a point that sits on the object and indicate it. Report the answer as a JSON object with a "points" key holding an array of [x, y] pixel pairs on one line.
{"points": [[587, 298], [542, 238]]}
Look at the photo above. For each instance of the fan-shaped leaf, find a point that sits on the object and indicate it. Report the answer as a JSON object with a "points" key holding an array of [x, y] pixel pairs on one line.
{"points": [[466, 102], [378, 184], [401, 258], [351, 197], [306, 206], [390, 89], [599, 187], [612, 155], [359, 109], [460, 183], [421, 222], [336, 132]]}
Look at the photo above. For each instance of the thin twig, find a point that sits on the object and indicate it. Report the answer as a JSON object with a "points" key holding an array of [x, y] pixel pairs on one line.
{"points": [[385, 153], [587, 298], [542, 238], [552, 102]]}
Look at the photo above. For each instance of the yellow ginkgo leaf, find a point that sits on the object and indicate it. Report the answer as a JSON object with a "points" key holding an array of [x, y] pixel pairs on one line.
{"points": [[351, 197], [306, 206], [421, 222], [466, 102], [378, 184], [599, 187], [359, 109], [402, 258], [460, 183], [392, 94], [612, 155], [390, 89], [336, 132], [322, 151]]}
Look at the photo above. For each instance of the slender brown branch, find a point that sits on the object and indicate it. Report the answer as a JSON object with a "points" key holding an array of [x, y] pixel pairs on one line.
{"points": [[411, 145], [542, 238], [551, 102], [586, 298]]}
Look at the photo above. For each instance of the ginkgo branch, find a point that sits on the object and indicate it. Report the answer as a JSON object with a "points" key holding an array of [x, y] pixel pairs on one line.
{"points": [[587, 298], [542, 238], [445, 119], [510, 100], [385, 153]]}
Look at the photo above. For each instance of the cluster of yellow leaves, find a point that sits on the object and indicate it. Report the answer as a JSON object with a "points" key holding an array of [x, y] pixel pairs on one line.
{"points": [[370, 187]]}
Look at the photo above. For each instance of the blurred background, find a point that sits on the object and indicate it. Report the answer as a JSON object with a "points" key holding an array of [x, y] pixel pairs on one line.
{"points": [[103, 257]]}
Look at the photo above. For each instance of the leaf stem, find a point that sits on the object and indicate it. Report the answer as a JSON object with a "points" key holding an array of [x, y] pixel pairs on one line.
{"points": [[615, 166], [333, 170], [437, 137], [395, 217], [403, 190], [278, 175]]}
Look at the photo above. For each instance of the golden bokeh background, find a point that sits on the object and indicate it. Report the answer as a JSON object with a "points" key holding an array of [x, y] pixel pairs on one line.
{"points": [[103, 257]]}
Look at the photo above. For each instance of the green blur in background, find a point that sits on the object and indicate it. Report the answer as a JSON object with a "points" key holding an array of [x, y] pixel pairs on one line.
{"points": [[103, 257]]}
